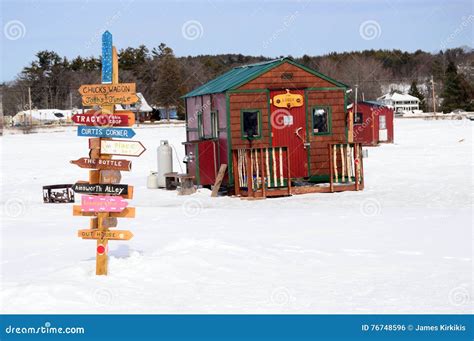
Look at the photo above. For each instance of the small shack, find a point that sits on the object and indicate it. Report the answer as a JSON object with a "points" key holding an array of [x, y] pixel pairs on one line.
{"points": [[373, 123], [281, 127]]}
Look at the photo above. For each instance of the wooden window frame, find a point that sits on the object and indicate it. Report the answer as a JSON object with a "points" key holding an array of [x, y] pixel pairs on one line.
{"points": [[200, 125], [214, 124], [329, 110], [259, 123]]}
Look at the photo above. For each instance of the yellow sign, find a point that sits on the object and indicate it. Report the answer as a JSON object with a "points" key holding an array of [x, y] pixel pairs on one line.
{"points": [[107, 89], [110, 99], [288, 100]]}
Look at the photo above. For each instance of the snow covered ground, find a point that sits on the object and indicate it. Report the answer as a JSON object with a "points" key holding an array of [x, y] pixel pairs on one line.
{"points": [[403, 245]]}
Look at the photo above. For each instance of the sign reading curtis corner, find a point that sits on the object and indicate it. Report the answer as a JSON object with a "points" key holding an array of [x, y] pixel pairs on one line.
{"points": [[123, 133], [288, 100]]}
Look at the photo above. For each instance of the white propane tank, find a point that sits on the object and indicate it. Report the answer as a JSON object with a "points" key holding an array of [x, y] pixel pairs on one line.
{"points": [[152, 181], [165, 162]]}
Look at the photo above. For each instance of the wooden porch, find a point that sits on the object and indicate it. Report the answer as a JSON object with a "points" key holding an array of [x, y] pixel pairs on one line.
{"points": [[264, 172]]}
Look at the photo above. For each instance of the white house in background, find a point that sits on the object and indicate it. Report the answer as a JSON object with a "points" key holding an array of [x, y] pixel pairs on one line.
{"points": [[144, 106], [400, 102], [43, 116]]}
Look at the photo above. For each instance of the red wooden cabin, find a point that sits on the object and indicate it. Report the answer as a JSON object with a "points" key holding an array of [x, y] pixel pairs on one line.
{"points": [[279, 126], [373, 123]]}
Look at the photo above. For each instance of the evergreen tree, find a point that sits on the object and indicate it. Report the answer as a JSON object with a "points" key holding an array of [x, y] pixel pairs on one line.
{"points": [[416, 93], [456, 91]]}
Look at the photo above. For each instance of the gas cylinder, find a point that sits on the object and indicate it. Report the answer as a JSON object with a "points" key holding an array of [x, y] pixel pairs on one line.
{"points": [[165, 162]]}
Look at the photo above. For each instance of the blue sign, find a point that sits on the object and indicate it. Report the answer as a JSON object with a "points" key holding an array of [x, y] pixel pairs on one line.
{"points": [[107, 57], [120, 133]]}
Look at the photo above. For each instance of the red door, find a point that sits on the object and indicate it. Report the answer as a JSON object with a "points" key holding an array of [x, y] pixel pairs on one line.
{"points": [[289, 130]]}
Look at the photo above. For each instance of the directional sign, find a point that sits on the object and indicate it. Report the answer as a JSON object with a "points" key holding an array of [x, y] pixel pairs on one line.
{"points": [[117, 147], [111, 99], [121, 165], [100, 189], [99, 119], [123, 133], [102, 203], [128, 212], [107, 89], [111, 235]]}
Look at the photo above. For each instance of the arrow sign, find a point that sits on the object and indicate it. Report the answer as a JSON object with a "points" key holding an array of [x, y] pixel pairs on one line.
{"points": [[107, 89], [100, 189], [111, 235], [117, 147], [102, 203], [123, 133], [99, 119], [111, 99], [120, 165]]}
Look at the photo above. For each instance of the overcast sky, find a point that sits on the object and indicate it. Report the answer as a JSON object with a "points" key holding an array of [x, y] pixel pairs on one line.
{"points": [[269, 28]]}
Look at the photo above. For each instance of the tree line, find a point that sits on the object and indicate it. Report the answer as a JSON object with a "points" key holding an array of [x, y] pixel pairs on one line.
{"points": [[163, 78]]}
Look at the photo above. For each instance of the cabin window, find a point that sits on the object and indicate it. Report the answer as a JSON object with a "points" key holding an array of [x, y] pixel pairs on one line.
{"points": [[214, 124], [250, 122], [321, 120], [200, 126], [358, 118]]}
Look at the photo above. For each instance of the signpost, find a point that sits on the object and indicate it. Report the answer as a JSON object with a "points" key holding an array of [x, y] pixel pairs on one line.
{"points": [[125, 148], [97, 118], [85, 188], [121, 165], [103, 195], [102, 203], [123, 133], [111, 235]]}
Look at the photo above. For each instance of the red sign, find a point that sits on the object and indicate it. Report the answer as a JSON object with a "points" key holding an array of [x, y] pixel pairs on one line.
{"points": [[97, 118], [100, 249]]}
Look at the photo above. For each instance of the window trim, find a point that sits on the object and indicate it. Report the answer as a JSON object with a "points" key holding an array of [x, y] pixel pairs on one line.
{"points": [[200, 125], [214, 124], [329, 110], [362, 118], [259, 122]]}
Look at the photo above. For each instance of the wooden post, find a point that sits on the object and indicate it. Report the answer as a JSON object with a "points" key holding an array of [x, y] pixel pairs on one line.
{"points": [[220, 177], [334, 154], [101, 263], [331, 170], [264, 184], [235, 166], [289, 171], [356, 166], [361, 167], [248, 164]]}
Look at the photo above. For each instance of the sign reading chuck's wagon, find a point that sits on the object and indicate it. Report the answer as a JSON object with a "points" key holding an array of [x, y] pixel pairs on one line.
{"points": [[107, 89]]}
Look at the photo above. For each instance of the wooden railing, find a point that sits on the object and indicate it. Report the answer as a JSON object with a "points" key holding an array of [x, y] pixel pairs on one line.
{"points": [[346, 165], [257, 170]]}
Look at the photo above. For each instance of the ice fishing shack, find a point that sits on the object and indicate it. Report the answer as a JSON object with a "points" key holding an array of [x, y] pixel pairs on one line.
{"points": [[373, 123], [280, 127]]}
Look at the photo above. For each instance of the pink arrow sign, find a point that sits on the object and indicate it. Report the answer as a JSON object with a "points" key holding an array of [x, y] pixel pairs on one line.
{"points": [[102, 203]]}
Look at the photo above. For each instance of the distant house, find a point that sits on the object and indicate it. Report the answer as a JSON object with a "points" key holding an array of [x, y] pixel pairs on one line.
{"points": [[141, 108], [42, 117], [400, 102], [165, 113]]}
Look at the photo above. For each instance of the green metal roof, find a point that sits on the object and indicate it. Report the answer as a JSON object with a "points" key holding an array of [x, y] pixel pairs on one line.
{"points": [[242, 74]]}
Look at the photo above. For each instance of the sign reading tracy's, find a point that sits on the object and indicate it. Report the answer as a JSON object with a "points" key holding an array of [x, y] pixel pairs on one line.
{"points": [[112, 164], [123, 133], [105, 89], [97, 118], [115, 189]]}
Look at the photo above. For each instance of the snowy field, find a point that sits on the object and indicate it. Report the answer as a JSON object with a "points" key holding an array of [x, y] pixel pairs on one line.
{"points": [[403, 245]]}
